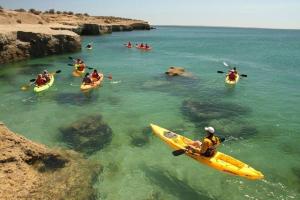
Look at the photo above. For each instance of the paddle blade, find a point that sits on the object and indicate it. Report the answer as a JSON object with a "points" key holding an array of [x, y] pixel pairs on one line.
{"points": [[25, 87], [221, 72], [32, 80], [70, 65], [71, 58], [90, 67], [109, 77], [224, 63], [244, 75], [58, 71], [178, 152], [222, 139]]}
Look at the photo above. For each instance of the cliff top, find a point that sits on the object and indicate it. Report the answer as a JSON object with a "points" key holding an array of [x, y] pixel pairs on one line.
{"points": [[65, 18]]}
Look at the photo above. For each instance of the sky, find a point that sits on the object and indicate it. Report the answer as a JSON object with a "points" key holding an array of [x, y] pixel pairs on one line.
{"points": [[232, 13]]}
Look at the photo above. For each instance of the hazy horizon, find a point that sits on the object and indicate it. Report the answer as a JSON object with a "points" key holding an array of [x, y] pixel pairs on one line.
{"points": [[274, 14]]}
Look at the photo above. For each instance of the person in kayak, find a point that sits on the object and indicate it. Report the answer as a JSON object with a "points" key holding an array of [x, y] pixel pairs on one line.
{"points": [[231, 75], [40, 80], [95, 75], [142, 45], [89, 46], [129, 44], [146, 46], [46, 75], [81, 66], [87, 79], [209, 145], [235, 71]]}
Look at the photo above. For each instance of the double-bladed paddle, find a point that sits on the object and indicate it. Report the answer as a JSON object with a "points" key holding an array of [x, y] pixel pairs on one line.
{"points": [[182, 151], [243, 75]]}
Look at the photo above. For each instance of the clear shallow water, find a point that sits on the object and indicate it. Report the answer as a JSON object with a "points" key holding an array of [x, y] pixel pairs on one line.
{"points": [[140, 94]]}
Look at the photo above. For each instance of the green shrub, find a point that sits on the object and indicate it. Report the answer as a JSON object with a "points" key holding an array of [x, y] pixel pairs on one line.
{"points": [[52, 11], [20, 10]]}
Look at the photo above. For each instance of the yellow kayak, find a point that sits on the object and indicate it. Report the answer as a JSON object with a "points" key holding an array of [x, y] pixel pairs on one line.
{"points": [[237, 78], [95, 84], [219, 161], [46, 86]]}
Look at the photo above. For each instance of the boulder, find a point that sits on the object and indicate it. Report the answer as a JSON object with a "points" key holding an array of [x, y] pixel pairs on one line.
{"points": [[87, 135], [175, 71], [32, 171]]}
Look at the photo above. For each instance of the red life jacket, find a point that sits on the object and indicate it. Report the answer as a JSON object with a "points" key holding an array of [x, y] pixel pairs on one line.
{"points": [[40, 81], [95, 75], [80, 67], [231, 76]]}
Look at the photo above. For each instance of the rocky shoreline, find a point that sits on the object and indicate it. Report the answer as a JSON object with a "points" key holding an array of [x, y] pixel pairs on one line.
{"points": [[26, 35], [32, 171]]}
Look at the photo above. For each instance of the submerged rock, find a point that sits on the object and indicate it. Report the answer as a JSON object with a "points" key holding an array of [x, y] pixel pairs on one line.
{"points": [[142, 139], [204, 111], [174, 186], [87, 135], [224, 117], [78, 99], [31, 171]]}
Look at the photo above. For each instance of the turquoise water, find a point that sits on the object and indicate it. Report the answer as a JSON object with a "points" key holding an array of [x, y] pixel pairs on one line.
{"points": [[268, 105]]}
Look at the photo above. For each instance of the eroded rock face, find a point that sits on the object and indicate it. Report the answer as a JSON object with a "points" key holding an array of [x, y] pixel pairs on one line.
{"points": [[20, 45], [31, 171], [87, 135]]}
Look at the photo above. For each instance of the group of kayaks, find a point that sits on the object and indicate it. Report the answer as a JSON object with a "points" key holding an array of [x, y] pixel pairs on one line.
{"points": [[76, 73], [139, 46]]}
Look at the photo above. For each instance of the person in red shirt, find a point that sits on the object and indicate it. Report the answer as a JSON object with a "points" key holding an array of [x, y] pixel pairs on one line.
{"points": [[95, 75], [40, 80], [87, 80], [231, 75]]}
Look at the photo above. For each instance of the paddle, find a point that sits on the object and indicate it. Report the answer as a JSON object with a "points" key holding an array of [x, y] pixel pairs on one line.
{"points": [[243, 75], [182, 151], [27, 86]]}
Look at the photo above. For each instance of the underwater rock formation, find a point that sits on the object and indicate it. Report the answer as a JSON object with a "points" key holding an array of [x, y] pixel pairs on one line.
{"points": [[141, 139], [32, 171], [87, 135], [172, 185], [224, 117]]}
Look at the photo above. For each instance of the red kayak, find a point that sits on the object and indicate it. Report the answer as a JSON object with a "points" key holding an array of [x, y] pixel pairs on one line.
{"points": [[143, 48]]}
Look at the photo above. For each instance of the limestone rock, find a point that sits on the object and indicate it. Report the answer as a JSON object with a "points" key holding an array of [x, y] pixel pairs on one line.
{"points": [[175, 71], [32, 171]]}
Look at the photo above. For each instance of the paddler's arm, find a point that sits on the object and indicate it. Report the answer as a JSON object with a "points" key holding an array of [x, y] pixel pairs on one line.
{"points": [[204, 147]]}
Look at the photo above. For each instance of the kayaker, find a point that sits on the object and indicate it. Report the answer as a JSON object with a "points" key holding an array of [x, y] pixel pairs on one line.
{"points": [[209, 145], [231, 75], [95, 75], [81, 66], [146, 46], [235, 71], [89, 46], [129, 44], [46, 75], [142, 45], [40, 80], [87, 80]]}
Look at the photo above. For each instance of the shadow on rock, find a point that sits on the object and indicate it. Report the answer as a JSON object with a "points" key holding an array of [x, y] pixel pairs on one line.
{"points": [[78, 99], [87, 135], [141, 139], [171, 184]]}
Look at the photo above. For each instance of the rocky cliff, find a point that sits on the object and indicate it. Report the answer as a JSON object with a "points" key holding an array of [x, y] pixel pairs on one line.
{"points": [[20, 42], [34, 34], [31, 171]]}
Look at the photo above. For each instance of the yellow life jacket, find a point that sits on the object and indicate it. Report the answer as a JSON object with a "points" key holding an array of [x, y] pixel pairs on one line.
{"points": [[213, 143]]}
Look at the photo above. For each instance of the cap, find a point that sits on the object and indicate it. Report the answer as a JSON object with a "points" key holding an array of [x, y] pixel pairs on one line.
{"points": [[210, 129]]}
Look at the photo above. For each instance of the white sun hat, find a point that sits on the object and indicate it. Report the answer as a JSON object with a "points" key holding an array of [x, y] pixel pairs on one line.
{"points": [[209, 129]]}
